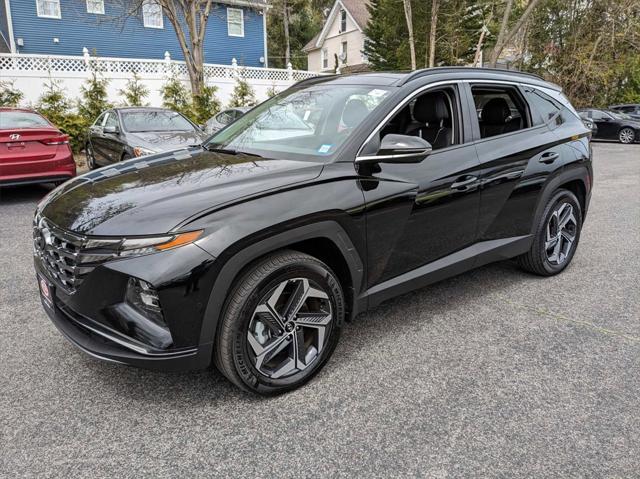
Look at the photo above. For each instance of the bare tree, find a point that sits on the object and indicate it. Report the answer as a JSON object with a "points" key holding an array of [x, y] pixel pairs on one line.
{"points": [[412, 44], [435, 5], [506, 35], [287, 39], [483, 34]]}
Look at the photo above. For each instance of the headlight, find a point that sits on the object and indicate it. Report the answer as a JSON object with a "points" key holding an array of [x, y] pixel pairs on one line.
{"points": [[140, 246], [140, 151]]}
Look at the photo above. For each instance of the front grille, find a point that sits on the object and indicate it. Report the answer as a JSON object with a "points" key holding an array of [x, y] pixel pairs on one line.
{"points": [[68, 257]]}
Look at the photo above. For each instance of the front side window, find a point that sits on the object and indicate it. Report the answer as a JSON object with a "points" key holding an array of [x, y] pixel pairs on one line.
{"points": [[599, 115], [235, 22], [305, 124], [111, 120], [95, 6], [149, 121], [152, 14], [500, 110], [48, 8]]}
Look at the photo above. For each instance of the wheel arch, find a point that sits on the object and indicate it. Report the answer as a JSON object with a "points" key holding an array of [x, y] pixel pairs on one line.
{"points": [[325, 240], [577, 180]]}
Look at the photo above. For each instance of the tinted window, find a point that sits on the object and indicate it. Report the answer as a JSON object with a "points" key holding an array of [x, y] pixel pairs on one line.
{"points": [[599, 115], [21, 119], [500, 110], [546, 107], [141, 121]]}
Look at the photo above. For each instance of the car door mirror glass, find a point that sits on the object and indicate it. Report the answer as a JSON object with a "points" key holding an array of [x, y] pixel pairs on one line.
{"points": [[396, 148]]}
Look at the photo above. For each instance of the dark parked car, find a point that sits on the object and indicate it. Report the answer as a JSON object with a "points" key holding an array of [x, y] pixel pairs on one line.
{"points": [[631, 109], [251, 252], [123, 133], [612, 125], [32, 150], [222, 119]]}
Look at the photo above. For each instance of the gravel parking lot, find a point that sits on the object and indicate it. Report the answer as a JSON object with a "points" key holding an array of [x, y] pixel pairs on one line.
{"points": [[492, 373]]}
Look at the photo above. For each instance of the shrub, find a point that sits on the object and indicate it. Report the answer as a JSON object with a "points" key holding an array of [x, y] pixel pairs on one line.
{"points": [[54, 105], [135, 92], [176, 97], [243, 94], [94, 98], [205, 105], [271, 91], [9, 96]]}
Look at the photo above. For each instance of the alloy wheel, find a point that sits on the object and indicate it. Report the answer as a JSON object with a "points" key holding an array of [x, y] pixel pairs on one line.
{"points": [[627, 135], [289, 328], [561, 231]]}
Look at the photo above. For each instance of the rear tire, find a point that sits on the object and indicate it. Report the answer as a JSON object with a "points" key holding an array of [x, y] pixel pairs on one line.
{"points": [[557, 236], [627, 135], [280, 324]]}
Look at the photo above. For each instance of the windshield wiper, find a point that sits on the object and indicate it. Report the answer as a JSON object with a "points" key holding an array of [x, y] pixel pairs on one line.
{"points": [[229, 151]]}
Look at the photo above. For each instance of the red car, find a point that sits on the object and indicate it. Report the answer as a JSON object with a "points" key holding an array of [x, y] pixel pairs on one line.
{"points": [[32, 150]]}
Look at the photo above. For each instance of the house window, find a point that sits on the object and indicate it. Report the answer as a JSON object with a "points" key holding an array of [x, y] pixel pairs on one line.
{"points": [[235, 22], [343, 52], [48, 8], [152, 14], [343, 21], [325, 58], [95, 6]]}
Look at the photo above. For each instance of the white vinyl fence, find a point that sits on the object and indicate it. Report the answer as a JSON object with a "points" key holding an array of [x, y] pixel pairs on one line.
{"points": [[30, 74]]}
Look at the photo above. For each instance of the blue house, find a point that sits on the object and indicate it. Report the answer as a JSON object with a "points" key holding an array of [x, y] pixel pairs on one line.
{"points": [[236, 29]]}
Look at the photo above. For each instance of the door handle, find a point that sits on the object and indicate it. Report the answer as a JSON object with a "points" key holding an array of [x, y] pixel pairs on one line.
{"points": [[549, 157], [463, 182]]}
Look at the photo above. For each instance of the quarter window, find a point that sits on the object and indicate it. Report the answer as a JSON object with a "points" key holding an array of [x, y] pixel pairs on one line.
{"points": [[235, 22], [547, 108], [152, 14], [48, 8], [95, 6]]}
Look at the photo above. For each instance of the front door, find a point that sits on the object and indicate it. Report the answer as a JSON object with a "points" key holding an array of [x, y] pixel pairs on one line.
{"points": [[418, 213]]}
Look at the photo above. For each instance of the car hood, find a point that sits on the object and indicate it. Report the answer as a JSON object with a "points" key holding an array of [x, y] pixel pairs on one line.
{"points": [[166, 140], [153, 195]]}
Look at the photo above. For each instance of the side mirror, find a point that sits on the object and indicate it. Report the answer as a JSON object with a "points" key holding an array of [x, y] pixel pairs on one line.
{"points": [[399, 149], [114, 130]]}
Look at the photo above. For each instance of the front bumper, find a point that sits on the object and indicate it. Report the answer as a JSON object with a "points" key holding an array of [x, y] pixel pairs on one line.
{"points": [[109, 345], [90, 316]]}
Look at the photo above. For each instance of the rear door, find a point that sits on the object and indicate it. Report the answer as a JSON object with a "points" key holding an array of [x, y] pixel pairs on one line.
{"points": [[25, 143], [517, 151]]}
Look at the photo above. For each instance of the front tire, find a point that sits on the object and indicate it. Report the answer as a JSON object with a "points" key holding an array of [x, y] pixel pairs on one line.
{"points": [[556, 237], [281, 323], [627, 135], [91, 158]]}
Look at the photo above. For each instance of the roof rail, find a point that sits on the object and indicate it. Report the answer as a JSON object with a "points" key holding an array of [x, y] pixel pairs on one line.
{"points": [[433, 71]]}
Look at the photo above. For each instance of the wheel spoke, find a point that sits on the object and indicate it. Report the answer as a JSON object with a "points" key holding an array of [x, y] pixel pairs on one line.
{"points": [[297, 298], [299, 350], [566, 216], [550, 243], [568, 236], [265, 353], [269, 316]]}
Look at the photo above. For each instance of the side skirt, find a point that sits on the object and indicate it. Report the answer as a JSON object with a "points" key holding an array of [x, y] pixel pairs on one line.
{"points": [[476, 255]]}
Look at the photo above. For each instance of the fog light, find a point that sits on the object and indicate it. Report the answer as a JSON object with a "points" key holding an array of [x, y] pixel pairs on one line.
{"points": [[143, 297]]}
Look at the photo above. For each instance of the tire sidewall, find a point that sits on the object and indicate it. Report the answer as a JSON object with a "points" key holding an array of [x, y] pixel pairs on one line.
{"points": [[242, 361], [91, 160], [562, 196]]}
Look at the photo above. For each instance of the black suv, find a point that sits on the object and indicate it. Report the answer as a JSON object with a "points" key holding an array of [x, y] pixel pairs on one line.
{"points": [[252, 250]]}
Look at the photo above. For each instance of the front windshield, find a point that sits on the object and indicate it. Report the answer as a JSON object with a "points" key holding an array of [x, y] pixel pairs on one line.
{"points": [[144, 121], [307, 123]]}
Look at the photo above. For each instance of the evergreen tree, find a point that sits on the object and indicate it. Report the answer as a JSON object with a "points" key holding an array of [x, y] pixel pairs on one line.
{"points": [[54, 105], [176, 97], [9, 95], [243, 94], [135, 92], [205, 105], [94, 98]]}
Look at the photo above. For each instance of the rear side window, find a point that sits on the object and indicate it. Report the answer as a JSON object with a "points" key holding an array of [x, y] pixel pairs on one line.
{"points": [[500, 110], [21, 119]]}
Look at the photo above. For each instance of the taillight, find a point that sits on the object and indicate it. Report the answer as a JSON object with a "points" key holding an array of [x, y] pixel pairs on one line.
{"points": [[56, 140]]}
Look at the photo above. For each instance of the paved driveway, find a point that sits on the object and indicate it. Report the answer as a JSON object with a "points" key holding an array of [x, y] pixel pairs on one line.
{"points": [[494, 372]]}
